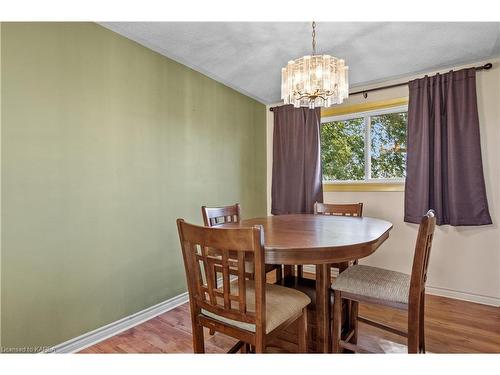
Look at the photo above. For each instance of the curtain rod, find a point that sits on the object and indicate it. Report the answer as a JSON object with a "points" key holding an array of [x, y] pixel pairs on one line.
{"points": [[486, 66]]}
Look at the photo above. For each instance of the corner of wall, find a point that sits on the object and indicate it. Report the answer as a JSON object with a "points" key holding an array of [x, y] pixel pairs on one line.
{"points": [[269, 159], [269, 151], [1, 24]]}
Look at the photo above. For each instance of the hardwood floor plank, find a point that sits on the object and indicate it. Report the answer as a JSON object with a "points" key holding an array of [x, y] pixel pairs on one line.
{"points": [[452, 326]]}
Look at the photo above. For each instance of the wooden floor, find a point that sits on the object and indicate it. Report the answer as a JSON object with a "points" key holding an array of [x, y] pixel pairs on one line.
{"points": [[452, 326]]}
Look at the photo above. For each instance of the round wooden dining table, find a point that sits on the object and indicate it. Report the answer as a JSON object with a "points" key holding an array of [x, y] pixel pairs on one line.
{"points": [[319, 240]]}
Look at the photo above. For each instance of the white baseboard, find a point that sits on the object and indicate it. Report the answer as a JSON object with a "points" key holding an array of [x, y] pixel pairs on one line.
{"points": [[93, 337], [442, 292], [312, 269], [470, 297], [90, 338]]}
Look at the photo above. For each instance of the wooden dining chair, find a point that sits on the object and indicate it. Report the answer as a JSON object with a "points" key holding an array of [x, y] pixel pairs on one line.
{"points": [[339, 209], [388, 288], [214, 216], [349, 209], [251, 311]]}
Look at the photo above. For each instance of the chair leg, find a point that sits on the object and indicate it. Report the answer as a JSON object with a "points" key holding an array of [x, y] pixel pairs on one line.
{"points": [[353, 324], [413, 328], [287, 270], [337, 321], [421, 335], [244, 348], [198, 339], [260, 343], [279, 273], [300, 271], [302, 331]]}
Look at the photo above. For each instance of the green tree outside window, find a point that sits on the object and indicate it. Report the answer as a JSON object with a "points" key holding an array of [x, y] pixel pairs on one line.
{"points": [[343, 148], [388, 145]]}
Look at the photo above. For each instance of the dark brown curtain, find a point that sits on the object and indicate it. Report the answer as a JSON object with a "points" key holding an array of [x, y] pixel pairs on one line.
{"points": [[297, 179], [444, 166]]}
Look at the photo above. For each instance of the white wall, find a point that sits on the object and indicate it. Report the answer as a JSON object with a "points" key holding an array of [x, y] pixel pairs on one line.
{"points": [[465, 261]]}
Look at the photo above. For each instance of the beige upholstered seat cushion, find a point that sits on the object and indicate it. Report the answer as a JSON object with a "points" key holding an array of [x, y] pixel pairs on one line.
{"points": [[281, 304], [374, 282]]}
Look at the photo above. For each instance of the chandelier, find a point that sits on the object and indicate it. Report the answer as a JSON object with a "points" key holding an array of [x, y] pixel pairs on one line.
{"points": [[314, 80]]}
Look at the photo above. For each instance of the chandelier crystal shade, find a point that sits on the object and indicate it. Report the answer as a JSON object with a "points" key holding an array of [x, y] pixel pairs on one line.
{"points": [[315, 80]]}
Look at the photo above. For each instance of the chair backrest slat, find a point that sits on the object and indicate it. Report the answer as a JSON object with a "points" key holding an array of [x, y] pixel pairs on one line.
{"points": [[242, 285], [225, 279], [210, 273], [198, 270], [351, 209], [214, 216], [211, 251]]}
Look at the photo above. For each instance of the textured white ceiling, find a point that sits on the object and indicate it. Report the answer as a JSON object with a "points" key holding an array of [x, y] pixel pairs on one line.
{"points": [[248, 56]]}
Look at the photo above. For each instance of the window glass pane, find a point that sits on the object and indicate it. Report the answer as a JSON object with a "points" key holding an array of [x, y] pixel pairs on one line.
{"points": [[343, 149], [388, 145]]}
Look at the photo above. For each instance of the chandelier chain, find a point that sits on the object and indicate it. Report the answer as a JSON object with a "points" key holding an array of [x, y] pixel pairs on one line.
{"points": [[314, 37]]}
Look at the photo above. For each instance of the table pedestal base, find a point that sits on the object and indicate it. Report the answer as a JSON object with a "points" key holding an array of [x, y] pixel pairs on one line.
{"points": [[319, 314]]}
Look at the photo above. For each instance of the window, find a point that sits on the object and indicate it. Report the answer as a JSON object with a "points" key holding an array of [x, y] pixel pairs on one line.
{"points": [[365, 147]]}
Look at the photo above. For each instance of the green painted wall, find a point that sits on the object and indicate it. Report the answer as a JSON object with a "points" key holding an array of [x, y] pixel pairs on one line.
{"points": [[104, 144], [0, 185]]}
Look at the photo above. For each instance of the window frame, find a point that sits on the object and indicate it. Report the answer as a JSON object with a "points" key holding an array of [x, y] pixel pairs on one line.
{"points": [[368, 183]]}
